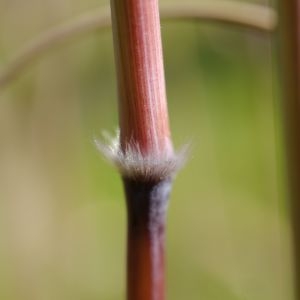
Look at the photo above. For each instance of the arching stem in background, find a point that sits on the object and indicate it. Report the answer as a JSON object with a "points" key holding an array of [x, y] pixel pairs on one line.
{"points": [[290, 66], [146, 150], [256, 17]]}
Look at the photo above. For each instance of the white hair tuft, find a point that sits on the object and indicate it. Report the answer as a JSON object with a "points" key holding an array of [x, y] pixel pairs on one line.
{"points": [[133, 164]]}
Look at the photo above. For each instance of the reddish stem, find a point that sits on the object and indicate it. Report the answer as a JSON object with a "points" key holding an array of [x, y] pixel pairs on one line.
{"points": [[144, 126], [141, 84], [146, 203]]}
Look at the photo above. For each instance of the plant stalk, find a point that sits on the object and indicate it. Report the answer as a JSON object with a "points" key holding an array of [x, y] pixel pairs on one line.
{"points": [[142, 97], [250, 16], [146, 207], [289, 24], [145, 142]]}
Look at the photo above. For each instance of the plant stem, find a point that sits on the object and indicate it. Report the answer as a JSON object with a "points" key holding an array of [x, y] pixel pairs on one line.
{"points": [[141, 84], [290, 67], [146, 205], [252, 16], [144, 141]]}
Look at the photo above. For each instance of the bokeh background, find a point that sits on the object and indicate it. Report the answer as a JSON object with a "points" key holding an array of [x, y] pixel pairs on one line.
{"points": [[62, 213]]}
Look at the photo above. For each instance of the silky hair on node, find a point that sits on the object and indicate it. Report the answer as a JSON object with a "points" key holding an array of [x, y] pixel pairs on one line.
{"points": [[132, 163]]}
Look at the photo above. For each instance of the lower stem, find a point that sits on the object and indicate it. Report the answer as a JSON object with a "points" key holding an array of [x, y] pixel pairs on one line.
{"points": [[146, 208]]}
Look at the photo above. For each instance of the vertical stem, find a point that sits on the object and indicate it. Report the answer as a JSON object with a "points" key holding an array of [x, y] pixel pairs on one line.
{"points": [[289, 11], [141, 84], [146, 203], [145, 142]]}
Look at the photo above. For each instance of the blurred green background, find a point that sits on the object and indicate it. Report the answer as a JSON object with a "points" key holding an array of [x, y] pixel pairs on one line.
{"points": [[62, 214]]}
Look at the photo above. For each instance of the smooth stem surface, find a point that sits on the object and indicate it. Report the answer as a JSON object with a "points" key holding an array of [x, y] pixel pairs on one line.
{"points": [[141, 84], [290, 59], [144, 140], [146, 204]]}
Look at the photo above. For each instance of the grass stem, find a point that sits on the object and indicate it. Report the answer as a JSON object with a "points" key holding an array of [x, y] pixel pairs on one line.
{"points": [[256, 17], [144, 141], [289, 13]]}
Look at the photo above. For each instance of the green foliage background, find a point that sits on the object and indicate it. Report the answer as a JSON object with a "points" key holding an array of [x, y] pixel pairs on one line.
{"points": [[62, 213]]}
